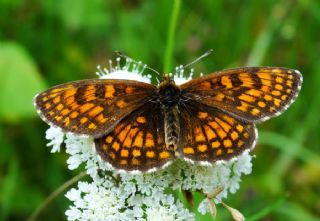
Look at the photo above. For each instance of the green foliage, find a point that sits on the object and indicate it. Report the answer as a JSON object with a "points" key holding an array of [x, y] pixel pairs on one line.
{"points": [[51, 42]]}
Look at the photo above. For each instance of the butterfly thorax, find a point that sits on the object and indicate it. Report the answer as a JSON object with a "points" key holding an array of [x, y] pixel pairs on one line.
{"points": [[169, 96]]}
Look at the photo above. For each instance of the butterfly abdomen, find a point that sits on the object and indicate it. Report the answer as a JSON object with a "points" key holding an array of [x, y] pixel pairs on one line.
{"points": [[172, 126]]}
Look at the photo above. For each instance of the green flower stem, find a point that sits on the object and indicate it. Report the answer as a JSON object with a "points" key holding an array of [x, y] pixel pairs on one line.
{"points": [[167, 66]]}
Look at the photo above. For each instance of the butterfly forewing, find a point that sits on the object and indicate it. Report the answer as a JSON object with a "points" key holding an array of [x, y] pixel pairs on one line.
{"points": [[209, 135], [92, 107], [137, 142], [251, 93]]}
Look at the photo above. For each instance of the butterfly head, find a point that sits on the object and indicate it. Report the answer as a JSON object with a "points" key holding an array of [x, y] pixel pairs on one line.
{"points": [[169, 92]]}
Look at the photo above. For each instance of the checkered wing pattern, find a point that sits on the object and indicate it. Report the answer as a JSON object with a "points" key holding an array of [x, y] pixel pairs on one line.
{"points": [[252, 93], [137, 142], [92, 107], [209, 135]]}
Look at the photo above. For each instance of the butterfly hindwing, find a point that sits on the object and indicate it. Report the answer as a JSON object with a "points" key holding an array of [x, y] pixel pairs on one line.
{"points": [[91, 107], [251, 93], [209, 135], [137, 142]]}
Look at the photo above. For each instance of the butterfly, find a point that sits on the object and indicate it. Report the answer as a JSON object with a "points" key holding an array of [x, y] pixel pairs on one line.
{"points": [[142, 127]]}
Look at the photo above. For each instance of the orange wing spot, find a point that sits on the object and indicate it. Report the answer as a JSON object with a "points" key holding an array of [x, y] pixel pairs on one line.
{"points": [[75, 127], [105, 147], [74, 114], [209, 133], [57, 100], [150, 154], [261, 104], [227, 143], [290, 76], [240, 143], [223, 124], [278, 87], [225, 80], [267, 97], [65, 111], [284, 97], [239, 128], [202, 147], [138, 141], [188, 150], [221, 133], [47, 105], [264, 75], [279, 79], [95, 111], [234, 135], [136, 153], [149, 140], [219, 97], [89, 93], [215, 144], [255, 111], [123, 162], [141, 120], [265, 89], [202, 115], [122, 135], [246, 79], [129, 90], [112, 155], [205, 85], [70, 92], [127, 142], [121, 103], [230, 120], [101, 119], [59, 107], [118, 128], [56, 90], [289, 83], [276, 93], [44, 99], [109, 139], [199, 136], [219, 152], [244, 107], [51, 113], [92, 126], [71, 103], [247, 98], [66, 121], [277, 102], [116, 146], [288, 91], [124, 153], [164, 155], [246, 135], [254, 93], [277, 71], [58, 118], [135, 162], [83, 120], [230, 151], [109, 91], [86, 107]]}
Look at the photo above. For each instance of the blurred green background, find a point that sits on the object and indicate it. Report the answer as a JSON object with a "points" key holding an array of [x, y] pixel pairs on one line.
{"points": [[45, 43]]}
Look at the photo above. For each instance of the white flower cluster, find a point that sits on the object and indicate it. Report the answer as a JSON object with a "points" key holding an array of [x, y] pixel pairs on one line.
{"points": [[114, 195]]}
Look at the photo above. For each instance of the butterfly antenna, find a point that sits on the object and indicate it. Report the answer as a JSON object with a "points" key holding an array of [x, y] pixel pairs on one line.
{"points": [[159, 76], [206, 54]]}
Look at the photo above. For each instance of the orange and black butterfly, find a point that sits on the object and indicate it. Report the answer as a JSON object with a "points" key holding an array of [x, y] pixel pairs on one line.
{"points": [[140, 126]]}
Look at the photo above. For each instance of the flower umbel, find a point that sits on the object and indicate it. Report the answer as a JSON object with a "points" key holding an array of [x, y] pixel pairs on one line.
{"points": [[115, 195]]}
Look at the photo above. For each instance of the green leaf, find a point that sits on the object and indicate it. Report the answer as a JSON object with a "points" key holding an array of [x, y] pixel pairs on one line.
{"points": [[20, 81]]}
